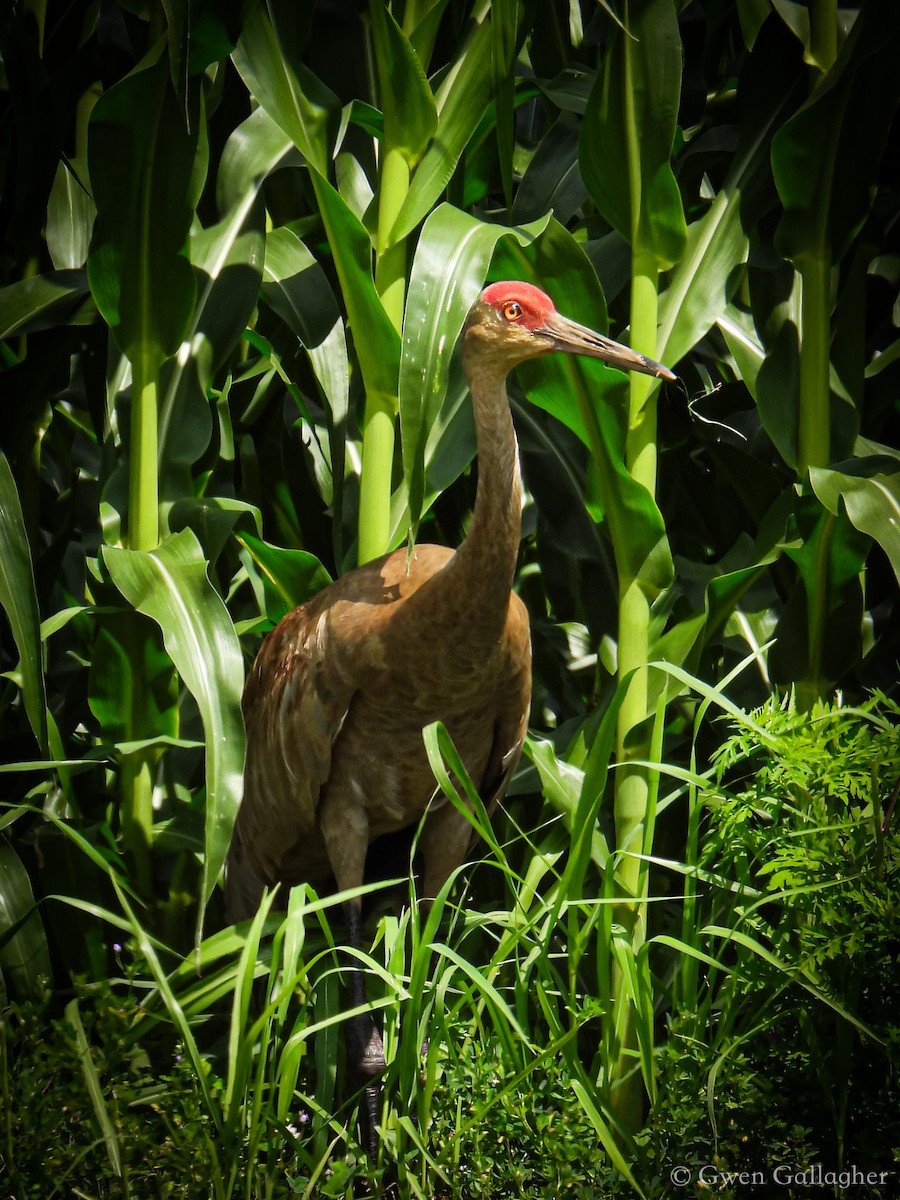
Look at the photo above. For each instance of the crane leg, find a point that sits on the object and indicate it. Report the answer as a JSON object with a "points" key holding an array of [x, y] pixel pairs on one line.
{"points": [[444, 844], [345, 829], [243, 887]]}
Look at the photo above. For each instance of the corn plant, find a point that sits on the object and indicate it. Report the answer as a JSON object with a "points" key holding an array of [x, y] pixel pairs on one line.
{"points": [[237, 254]]}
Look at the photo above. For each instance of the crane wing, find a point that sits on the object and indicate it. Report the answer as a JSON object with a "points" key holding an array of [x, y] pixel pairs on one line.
{"points": [[294, 704]]}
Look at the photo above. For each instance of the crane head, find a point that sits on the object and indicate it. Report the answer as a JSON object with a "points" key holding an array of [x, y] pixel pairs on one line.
{"points": [[515, 321]]}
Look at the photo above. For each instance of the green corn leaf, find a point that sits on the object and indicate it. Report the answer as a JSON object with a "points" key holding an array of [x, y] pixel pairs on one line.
{"points": [[698, 291], [504, 14], [40, 302], [228, 262], [24, 954], [306, 111], [451, 260], [131, 685], [19, 601], [170, 585], [256, 148], [70, 216], [461, 102], [145, 180], [290, 577], [552, 181], [410, 117], [870, 490], [296, 287], [818, 636], [628, 130], [294, 98], [375, 339], [825, 158]]}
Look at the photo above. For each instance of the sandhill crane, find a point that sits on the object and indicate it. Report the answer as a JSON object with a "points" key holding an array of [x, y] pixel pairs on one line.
{"points": [[342, 688]]}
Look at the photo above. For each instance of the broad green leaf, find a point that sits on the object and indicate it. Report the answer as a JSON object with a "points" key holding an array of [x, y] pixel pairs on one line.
{"points": [[170, 585], [297, 288], [449, 450], [293, 97], [776, 311], [254, 150], [213, 519], [290, 577], [629, 127], [41, 302], [228, 261], [131, 684], [24, 954], [410, 117], [563, 786], [143, 174], [870, 490], [375, 339], [19, 601], [825, 158], [70, 217], [308, 113], [740, 336], [461, 101], [552, 181], [701, 285]]}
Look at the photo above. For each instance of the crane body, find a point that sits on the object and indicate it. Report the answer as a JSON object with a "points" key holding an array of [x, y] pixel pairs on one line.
{"points": [[342, 688]]}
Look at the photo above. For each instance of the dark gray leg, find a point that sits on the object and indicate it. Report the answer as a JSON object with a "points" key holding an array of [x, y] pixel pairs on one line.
{"points": [[365, 1051]]}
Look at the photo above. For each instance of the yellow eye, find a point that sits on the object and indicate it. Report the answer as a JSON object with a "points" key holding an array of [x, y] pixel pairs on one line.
{"points": [[512, 310]]}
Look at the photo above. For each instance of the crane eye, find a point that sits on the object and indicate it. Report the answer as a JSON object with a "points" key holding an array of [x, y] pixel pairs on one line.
{"points": [[512, 310]]}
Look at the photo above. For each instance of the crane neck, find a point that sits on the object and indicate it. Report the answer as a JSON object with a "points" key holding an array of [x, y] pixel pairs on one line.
{"points": [[486, 560]]}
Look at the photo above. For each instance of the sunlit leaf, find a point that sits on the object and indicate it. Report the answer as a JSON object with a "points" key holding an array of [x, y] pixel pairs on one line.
{"points": [[628, 130], [70, 217], [461, 100], [410, 117], [870, 490], [293, 97], [290, 577], [170, 585]]}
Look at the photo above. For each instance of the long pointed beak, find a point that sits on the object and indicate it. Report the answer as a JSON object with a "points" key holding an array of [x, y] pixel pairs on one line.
{"points": [[572, 338]]}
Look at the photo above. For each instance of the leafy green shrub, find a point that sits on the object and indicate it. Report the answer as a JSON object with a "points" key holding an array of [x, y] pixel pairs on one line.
{"points": [[796, 1057], [161, 1137], [535, 1141]]}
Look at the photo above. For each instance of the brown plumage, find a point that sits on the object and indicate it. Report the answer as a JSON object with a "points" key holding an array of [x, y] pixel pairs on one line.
{"points": [[340, 691]]}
